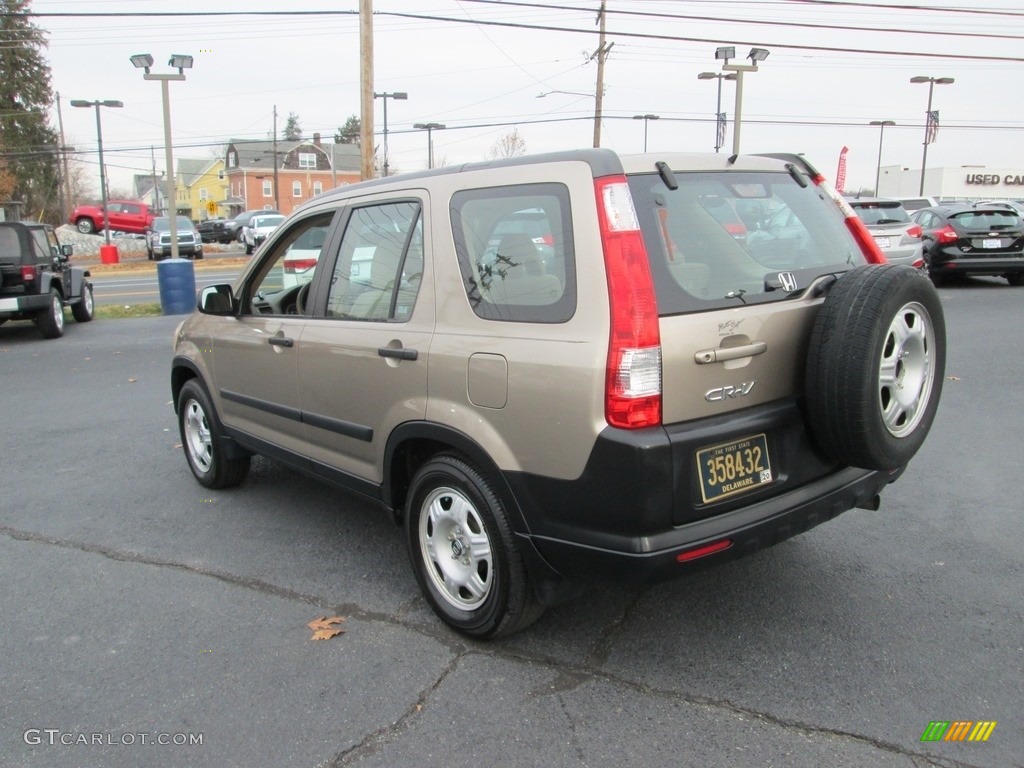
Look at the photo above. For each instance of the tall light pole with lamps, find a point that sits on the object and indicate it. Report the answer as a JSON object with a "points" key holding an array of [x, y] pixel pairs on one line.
{"points": [[881, 134], [932, 82], [430, 128], [646, 118], [181, 62], [99, 146], [397, 96], [719, 114], [755, 55]]}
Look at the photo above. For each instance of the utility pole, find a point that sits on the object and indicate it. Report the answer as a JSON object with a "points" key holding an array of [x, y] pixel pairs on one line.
{"points": [[156, 193], [65, 186], [366, 88], [600, 54], [277, 197]]}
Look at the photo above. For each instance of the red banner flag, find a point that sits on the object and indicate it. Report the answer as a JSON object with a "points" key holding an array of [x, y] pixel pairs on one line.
{"points": [[841, 172]]}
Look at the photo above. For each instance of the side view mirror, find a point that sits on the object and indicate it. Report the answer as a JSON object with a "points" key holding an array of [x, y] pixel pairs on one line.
{"points": [[217, 300], [66, 251]]}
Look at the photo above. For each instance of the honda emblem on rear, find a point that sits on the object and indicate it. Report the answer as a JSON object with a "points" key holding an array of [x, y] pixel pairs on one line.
{"points": [[788, 281]]}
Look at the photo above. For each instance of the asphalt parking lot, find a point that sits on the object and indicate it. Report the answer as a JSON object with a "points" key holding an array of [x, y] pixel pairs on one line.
{"points": [[140, 608]]}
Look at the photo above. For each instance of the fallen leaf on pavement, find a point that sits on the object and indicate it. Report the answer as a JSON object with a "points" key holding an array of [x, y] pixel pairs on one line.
{"points": [[324, 629]]}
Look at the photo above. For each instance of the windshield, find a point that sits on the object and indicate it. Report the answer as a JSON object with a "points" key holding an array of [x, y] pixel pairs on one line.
{"points": [[266, 221], [163, 224], [723, 237]]}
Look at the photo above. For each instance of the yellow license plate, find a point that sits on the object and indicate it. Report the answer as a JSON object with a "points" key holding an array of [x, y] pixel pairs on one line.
{"points": [[736, 467]]}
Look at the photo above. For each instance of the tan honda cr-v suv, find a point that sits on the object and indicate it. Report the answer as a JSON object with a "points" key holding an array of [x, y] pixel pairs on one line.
{"points": [[570, 364]]}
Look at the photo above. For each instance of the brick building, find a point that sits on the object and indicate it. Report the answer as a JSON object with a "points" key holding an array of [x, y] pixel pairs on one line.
{"points": [[304, 170]]}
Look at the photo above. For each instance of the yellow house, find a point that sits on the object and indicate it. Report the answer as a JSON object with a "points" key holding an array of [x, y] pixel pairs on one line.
{"points": [[199, 185]]}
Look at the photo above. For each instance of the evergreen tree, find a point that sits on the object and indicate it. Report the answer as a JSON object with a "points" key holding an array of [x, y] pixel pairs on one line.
{"points": [[28, 145], [292, 129], [349, 132]]}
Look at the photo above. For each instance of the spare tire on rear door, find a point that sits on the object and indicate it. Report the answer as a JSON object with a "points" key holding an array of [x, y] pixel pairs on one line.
{"points": [[875, 366]]}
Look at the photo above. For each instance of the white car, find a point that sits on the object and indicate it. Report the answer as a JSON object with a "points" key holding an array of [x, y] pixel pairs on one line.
{"points": [[258, 229]]}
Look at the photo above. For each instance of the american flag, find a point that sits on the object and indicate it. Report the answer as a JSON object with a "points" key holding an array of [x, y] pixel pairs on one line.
{"points": [[931, 129]]}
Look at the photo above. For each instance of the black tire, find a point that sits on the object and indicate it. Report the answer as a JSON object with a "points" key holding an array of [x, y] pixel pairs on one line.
{"points": [[875, 366], [85, 226], [1015, 278], [84, 310], [249, 249], [202, 439], [464, 552], [51, 320]]}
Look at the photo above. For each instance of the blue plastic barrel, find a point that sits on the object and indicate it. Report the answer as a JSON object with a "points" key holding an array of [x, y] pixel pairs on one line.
{"points": [[177, 279]]}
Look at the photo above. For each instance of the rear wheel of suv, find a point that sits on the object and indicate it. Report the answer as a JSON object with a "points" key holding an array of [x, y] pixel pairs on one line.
{"points": [[464, 551], [83, 311], [203, 440], [875, 365], [1015, 278], [51, 319]]}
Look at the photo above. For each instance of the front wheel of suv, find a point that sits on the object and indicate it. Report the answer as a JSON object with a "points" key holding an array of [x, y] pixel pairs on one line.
{"points": [[464, 552], [84, 310], [1015, 278], [203, 440], [875, 366]]}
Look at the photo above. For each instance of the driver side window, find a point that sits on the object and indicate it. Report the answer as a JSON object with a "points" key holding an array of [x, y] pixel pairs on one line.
{"points": [[282, 284]]}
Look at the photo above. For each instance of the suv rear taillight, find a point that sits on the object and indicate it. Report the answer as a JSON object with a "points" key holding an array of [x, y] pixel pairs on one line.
{"points": [[872, 253], [947, 235], [28, 274], [915, 231], [633, 383]]}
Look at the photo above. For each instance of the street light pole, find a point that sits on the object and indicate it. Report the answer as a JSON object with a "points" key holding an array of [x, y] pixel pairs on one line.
{"points": [[719, 114], [430, 128], [646, 118], [932, 82], [99, 147], [181, 62], [755, 55], [881, 133], [397, 96]]}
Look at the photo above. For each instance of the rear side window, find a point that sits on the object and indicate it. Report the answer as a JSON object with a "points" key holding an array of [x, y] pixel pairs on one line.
{"points": [[723, 239], [515, 252]]}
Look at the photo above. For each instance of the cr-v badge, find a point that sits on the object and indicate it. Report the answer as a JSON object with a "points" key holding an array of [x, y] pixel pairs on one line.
{"points": [[723, 393]]}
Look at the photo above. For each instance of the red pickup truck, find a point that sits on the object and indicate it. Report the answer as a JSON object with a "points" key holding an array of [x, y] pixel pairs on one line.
{"points": [[122, 216]]}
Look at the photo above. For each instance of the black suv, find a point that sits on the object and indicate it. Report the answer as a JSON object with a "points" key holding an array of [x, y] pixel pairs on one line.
{"points": [[961, 239], [36, 281]]}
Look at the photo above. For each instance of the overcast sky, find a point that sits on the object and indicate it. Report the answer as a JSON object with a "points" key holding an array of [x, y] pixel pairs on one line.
{"points": [[814, 94]]}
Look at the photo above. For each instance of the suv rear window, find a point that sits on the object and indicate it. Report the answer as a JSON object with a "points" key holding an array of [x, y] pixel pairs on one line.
{"points": [[990, 219], [515, 251], [723, 237], [882, 212]]}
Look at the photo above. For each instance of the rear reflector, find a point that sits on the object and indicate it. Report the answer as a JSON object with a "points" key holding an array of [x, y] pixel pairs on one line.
{"points": [[707, 549], [633, 383]]}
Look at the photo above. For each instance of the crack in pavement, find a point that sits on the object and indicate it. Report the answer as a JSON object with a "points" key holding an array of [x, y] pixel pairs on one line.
{"points": [[568, 676], [382, 736]]}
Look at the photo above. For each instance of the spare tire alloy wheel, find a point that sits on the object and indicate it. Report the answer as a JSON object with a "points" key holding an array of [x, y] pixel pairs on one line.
{"points": [[51, 319], [202, 440], [875, 366], [464, 552]]}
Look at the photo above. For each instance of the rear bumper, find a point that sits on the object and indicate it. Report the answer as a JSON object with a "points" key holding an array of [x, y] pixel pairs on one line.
{"points": [[746, 531], [25, 304], [960, 263], [637, 505]]}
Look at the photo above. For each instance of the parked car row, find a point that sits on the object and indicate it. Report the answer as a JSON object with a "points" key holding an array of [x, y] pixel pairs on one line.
{"points": [[229, 230]]}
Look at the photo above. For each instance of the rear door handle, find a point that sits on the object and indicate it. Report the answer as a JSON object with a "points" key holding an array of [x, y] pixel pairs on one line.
{"points": [[721, 354], [400, 354], [281, 341]]}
